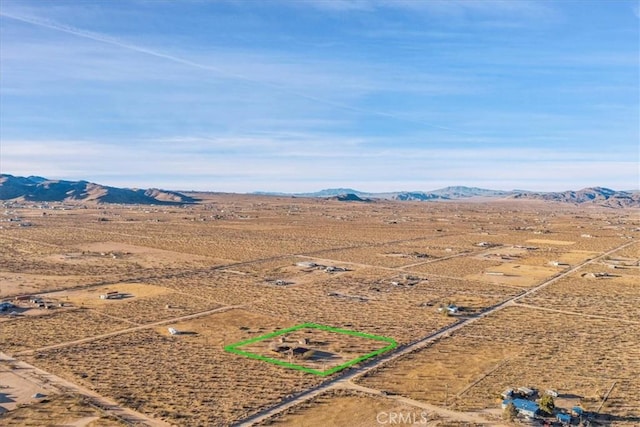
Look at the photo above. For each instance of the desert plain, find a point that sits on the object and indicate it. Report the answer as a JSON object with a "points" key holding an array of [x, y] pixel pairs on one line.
{"points": [[123, 314]]}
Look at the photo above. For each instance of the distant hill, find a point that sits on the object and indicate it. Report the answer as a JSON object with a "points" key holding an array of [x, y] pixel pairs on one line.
{"points": [[447, 193], [594, 196], [460, 192], [450, 193], [332, 192], [349, 197], [417, 196], [40, 189]]}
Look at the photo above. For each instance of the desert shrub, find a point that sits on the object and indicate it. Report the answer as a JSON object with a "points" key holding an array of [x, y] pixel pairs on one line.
{"points": [[510, 412], [547, 404]]}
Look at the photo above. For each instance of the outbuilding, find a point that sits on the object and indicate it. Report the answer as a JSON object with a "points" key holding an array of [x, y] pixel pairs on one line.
{"points": [[507, 394], [526, 391]]}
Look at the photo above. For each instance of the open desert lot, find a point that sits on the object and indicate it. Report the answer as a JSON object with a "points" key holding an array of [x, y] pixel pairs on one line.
{"points": [[67, 410], [524, 346], [319, 213], [139, 305], [342, 408], [186, 379]]}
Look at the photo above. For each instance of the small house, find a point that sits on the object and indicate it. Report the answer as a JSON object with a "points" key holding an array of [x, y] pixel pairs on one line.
{"points": [[523, 406], [451, 309], [526, 392], [112, 295]]}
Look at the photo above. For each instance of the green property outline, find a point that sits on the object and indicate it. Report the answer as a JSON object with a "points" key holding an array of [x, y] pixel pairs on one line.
{"points": [[233, 348]]}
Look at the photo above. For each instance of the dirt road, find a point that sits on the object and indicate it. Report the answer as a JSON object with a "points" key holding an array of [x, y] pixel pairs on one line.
{"points": [[126, 331], [47, 380], [350, 374]]}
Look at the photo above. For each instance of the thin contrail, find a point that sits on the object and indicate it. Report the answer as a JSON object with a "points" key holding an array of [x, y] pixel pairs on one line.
{"points": [[125, 45]]}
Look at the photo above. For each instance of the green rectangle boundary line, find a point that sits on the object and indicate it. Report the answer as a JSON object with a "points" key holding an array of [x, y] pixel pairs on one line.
{"points": [[234, 348]]}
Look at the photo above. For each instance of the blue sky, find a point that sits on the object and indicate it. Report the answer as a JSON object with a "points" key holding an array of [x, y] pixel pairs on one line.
{"points": [[378, 95]]}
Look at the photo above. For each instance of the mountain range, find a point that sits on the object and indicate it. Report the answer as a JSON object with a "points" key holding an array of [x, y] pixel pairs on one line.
{"points": [[39, 189], [35, 188], [593, 195]]}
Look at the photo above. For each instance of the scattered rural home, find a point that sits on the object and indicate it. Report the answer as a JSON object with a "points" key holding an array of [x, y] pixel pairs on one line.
{"points": [[525, 247], [624, 262], [565, 419], [526, 392], [420, 255], [295, 351], [279, 348], [599, 275], [507, 394], [551, 393], [523, 406], [112, 295], [494, 273], [451, 309]]}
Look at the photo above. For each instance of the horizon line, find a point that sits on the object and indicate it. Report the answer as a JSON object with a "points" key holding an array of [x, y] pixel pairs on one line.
{"points": [[349, 189]]}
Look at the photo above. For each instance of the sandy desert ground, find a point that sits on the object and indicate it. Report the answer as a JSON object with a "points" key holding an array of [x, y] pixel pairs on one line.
{"points": [[546, 296]]}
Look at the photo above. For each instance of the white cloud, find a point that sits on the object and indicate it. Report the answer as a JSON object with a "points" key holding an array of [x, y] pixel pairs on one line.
{"points": [[221, 82], [289, 165], [447, 8]]}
